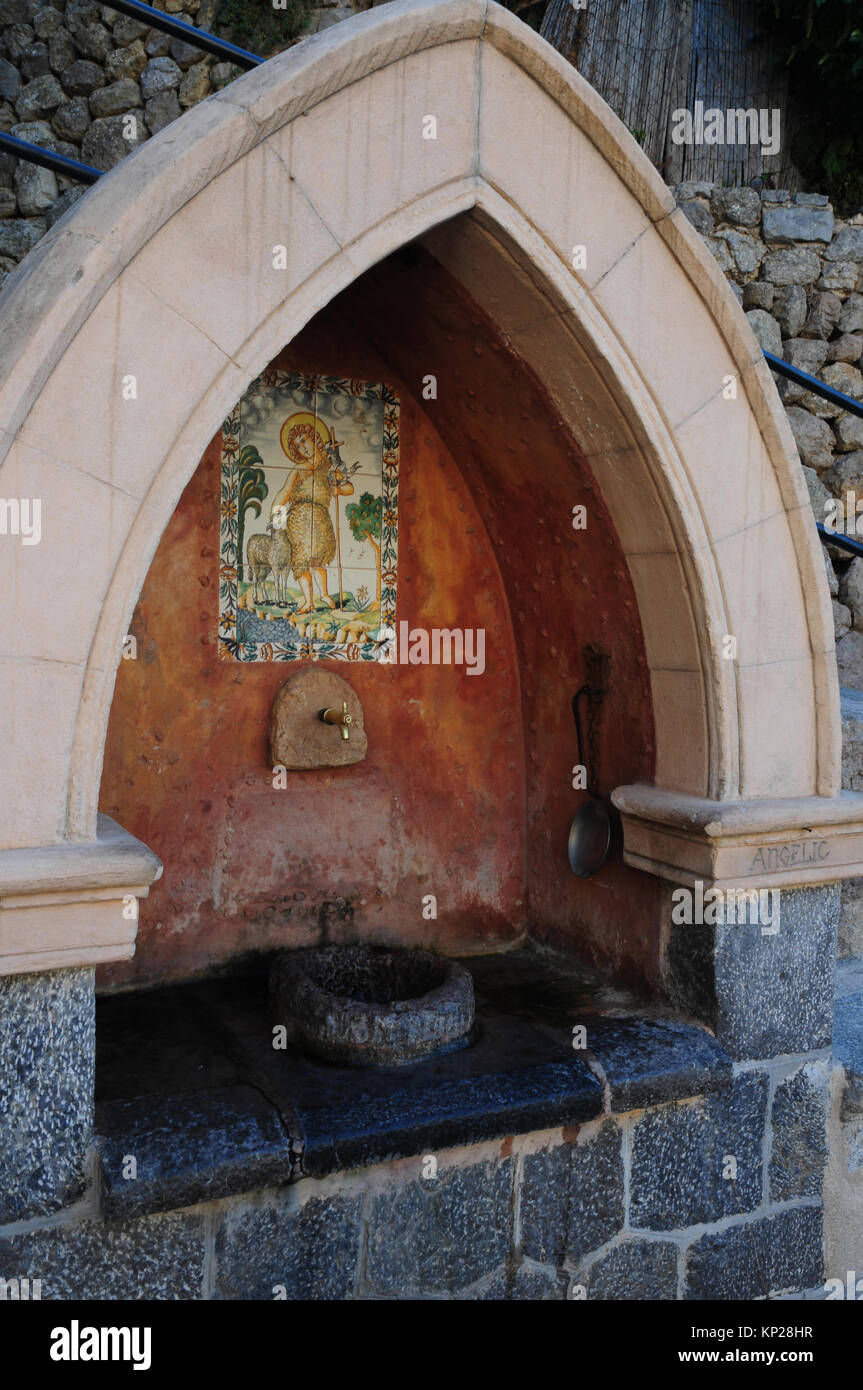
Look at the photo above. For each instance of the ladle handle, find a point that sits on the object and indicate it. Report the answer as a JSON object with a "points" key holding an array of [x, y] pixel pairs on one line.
{"points": [[585, 690]]}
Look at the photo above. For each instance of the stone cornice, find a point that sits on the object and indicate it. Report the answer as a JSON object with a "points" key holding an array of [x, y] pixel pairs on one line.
{"points": [[72, 905], [786, 843]]}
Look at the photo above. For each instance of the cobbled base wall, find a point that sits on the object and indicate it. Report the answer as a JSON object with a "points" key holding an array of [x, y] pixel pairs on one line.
{"points": [[712, 1198]]}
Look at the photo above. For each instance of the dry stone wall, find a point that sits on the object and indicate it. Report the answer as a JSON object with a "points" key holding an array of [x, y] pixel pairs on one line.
{"points": [[83, 80], [798, 272]]}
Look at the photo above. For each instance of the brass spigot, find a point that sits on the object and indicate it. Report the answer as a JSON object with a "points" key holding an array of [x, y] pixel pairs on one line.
{"points": [[343, 719]]}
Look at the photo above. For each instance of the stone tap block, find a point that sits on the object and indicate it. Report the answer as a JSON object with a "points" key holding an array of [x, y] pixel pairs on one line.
{"points": [[299, 738]]}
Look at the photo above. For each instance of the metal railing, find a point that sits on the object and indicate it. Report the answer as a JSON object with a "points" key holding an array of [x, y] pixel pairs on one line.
{"points": [[57, 163], [839, 539], [179, 29], [827, 393], [811, 383], [156, 19]]}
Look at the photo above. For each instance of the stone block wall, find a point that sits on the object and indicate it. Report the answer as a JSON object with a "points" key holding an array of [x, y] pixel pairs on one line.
{"points": [[700, 1177], [798, 272], [78, 78], [715, 1197]]}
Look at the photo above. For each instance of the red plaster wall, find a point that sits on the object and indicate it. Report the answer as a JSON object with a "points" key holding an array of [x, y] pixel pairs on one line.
{"points": [[465, 793], [566, 588]]}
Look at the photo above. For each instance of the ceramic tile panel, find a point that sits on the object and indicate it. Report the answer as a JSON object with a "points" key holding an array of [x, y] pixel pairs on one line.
{"points": [[309, 519]]}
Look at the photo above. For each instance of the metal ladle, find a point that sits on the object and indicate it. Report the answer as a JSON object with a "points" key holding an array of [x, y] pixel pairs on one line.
{"points": [[590, 832]]}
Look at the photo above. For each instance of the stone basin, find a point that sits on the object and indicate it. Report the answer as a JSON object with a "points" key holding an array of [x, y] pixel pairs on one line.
{"points": [[372, 1006]]}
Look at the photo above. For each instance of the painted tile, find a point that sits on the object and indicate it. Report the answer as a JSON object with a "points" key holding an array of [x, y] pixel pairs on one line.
{"points": [[309, 519]]}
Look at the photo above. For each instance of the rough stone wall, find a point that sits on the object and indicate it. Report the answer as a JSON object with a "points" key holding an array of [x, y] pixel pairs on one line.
{"points": [[682, 1188], [635, 1206], [798, 272], [73, 73]]}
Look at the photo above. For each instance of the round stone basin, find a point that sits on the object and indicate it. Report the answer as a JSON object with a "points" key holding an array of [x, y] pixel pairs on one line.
{"points": [[372, 1006]]}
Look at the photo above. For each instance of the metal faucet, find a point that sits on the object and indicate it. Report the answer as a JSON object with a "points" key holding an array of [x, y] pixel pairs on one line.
{"points": [[342, 718]]}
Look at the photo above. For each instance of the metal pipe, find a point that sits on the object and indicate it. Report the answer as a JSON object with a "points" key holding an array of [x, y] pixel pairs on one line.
{"points": [[829, 393], [85, 173], [838, 538], [180, 30], [57, 163]]}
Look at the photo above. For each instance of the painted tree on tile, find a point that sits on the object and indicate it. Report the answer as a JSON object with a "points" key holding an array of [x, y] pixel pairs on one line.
{"points": [[364, 518], [252, 491]]}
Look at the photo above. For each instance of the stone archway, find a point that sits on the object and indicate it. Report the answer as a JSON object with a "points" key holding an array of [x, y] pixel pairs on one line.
{"points": [[138, 322]]}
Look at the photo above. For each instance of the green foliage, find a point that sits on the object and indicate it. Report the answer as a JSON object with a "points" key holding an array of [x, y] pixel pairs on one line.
{"points": [[530, 12], [364, 517], [821, 41], [256, 26], [252, 491]]}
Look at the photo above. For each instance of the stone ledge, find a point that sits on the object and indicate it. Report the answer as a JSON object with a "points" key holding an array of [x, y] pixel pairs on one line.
{"points": [[463, 1111], [646, 1061], [189, 1148], [209, 1108], [67, 905], [786, 843], [113, 859]]}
